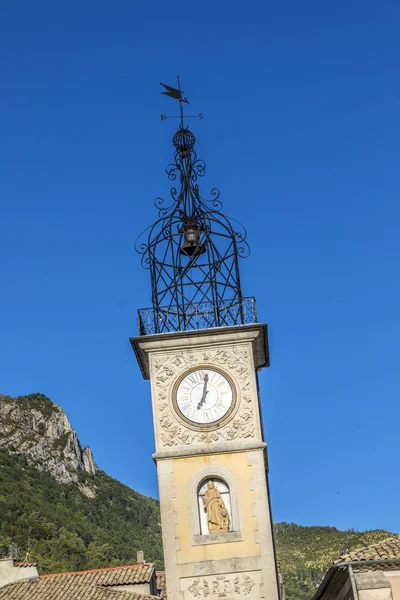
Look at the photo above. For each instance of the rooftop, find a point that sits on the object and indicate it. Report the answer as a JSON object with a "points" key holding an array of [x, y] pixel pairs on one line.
{"points": [[95, 584], [385, 550]]}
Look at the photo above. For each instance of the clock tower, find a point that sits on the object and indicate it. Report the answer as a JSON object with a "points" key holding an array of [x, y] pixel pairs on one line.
{"points": [[201, 347]]}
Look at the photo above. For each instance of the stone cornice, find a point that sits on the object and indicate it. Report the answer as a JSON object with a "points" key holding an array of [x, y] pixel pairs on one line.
{"points": [[257, 333], [221, 448]]}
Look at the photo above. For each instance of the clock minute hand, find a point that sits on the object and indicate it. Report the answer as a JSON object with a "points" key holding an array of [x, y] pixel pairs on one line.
{"points": [[205, 392]]}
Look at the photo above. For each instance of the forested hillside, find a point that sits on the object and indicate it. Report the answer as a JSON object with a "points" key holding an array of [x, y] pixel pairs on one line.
{"points": [[64, 530], [305, 553]]}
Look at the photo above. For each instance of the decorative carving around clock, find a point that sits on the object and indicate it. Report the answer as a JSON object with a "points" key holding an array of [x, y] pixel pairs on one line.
{"points": [[170, 368]]}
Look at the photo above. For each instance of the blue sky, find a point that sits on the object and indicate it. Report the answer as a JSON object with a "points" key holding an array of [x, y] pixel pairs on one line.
{"points": [[301, 134]]}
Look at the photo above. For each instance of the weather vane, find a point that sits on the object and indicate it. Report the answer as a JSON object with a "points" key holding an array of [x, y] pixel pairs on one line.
{"points": [[176, 93]]}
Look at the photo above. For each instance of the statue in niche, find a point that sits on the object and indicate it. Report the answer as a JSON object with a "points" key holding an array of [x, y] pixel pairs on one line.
{"points": [[217, 514]]}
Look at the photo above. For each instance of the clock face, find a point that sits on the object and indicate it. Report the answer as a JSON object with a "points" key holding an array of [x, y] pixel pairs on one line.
{"points": [[204, 396]]}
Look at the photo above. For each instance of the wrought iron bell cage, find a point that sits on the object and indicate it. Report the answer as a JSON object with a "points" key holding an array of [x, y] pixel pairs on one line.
{"points": [[192, 252]]}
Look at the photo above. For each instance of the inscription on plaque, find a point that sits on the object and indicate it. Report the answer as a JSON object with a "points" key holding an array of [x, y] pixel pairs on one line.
{"points": [[220, 586]]}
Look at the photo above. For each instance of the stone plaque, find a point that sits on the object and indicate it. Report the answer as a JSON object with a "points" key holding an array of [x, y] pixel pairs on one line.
{"points": [[229, 586]]}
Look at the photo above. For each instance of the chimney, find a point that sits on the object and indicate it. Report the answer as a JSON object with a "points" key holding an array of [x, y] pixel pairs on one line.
{"points": [[140, 557], [10, 571]]}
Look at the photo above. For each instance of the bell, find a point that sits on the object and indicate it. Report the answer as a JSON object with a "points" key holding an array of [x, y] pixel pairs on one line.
{"points": [[192, 243]]}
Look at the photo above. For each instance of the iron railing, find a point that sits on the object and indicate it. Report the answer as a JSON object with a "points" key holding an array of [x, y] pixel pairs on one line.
{"points": [[200, 315]]}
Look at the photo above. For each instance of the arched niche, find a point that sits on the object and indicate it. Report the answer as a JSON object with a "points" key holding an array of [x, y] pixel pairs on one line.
{"points": [[228, 487]]}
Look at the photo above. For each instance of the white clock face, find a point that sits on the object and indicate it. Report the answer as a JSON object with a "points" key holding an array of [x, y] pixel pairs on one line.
{"points": [[204, 396]]}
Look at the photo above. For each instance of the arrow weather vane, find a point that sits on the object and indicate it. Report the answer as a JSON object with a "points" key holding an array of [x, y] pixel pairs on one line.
{"points": [[176, 93]]}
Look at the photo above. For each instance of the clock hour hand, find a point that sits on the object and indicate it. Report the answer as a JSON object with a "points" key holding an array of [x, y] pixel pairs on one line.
{"points": [[205, 392]]}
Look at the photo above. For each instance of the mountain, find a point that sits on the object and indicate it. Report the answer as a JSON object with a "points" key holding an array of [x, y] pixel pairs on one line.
{"points": [[65, 530], [57, 505], [39, 429]]}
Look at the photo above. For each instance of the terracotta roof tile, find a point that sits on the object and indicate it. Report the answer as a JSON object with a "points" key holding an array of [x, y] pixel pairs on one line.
{"points": [[140, 573], [384, 550], [29, 590], [82, 585]]}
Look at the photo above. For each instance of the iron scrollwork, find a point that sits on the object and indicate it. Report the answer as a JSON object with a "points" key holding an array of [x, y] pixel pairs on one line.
{"points": [[192, 252]]}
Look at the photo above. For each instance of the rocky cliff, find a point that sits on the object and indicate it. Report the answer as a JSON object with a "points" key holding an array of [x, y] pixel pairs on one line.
{"points": [[39, 429]]}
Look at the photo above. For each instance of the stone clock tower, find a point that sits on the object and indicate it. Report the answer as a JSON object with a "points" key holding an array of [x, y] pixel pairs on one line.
{"points": [[201, 347]]}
